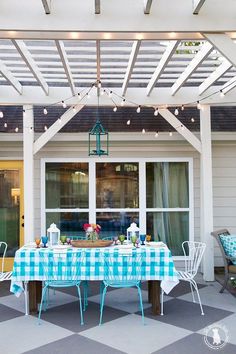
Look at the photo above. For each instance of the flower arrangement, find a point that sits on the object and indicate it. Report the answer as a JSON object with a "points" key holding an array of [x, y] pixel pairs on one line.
{"points": [[92, 231]]}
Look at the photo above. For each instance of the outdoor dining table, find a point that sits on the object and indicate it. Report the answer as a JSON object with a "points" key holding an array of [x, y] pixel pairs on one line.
{"points": [[157, 268]]}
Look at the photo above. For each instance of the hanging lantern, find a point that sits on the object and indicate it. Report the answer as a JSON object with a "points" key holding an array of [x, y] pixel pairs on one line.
{"points": [[53, 234], [133, 230], [98, 138]]}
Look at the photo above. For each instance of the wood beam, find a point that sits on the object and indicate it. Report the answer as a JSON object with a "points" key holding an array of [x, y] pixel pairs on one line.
{"points": [[224, 44], [47, 6], [147, 6], [215, 75], [197, 60], [62, 52], [177, 125], [161, 66], [55, 127], [129, 70], [10, 78], [197, 5], [97, 7], [26, 56], [228, 86]]}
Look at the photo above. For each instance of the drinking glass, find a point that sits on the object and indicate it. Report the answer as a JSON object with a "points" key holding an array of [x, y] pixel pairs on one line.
{"points": [[121, 239], [63, 239], [44, 241], [115, 239], [37, 241], [133, 239], [142, 239], [148, 238], [68, 241]]}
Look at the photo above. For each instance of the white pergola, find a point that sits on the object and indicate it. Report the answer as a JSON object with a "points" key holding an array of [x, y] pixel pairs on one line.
{"points": [[153, 53]]}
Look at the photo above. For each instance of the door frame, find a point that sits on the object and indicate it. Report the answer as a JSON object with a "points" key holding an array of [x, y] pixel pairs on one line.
{"points": [[10, 165]]}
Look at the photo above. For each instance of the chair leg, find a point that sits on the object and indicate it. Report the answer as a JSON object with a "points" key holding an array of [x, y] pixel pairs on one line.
{"points": [[26, 298], [102, 304], [85, 286], [225, 283], [199, 300], [141, 302], [80, 305], [192, 291], [162, 302], [41, 303]]}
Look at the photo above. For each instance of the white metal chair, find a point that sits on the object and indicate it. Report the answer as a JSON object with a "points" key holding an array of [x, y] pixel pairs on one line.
{"points": [[193, 253], [7, 275]]}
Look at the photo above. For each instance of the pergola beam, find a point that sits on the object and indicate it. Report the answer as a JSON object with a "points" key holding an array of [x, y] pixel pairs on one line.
{"points": [[26, 56], [161, 66], [62, 52], [129, 70], [224, 44], [197, 60], [97, 7], [197, 5], [147, 6], [10, 78], [47, 6], [178, 126], [215, 75], [55, 127]]}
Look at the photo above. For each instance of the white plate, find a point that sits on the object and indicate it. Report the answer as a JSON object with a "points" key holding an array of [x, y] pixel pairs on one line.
{"points": [[59, 247], [156, 244]]}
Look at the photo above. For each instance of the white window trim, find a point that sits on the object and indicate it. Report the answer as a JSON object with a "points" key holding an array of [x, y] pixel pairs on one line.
{"points": [[142, 190]]}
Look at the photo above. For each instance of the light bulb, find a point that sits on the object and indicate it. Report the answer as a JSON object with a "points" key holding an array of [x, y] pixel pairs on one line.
{"points": [[74, 109], [170, 133], [138, 109], [45, 128], [182, 107], [192, 120], [102, 92], [31, 129], [156, 135], [79, 95], [222, 94], [122, 102], [5, 125], [156, 112], [16, 129], [1, 114], [99, 84], [198, 105], [88, 95], [115, 109], [110, 93], [24, 113], [143, 131], [63, 104], [182, 127], [45, 111], [128, 122], [59, 120], [176, 111]]}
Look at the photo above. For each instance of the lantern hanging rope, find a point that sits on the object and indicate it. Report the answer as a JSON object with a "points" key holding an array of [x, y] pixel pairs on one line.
{"points": [[98, 137]]}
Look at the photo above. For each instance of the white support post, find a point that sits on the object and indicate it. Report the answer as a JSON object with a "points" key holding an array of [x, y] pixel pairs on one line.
{"points": [[206, 214], [28, 145]]}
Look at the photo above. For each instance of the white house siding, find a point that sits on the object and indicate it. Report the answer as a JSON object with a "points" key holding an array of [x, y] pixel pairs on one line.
{"points": [[224, 173]]}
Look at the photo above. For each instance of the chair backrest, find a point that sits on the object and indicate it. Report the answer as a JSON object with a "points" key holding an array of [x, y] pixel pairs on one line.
{"points": [[217, 234], [61, 266], [193, 252], [3, 250], [123, 267]]}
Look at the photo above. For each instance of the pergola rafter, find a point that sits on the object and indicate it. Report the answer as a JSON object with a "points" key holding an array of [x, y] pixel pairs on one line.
{"points": [[197, 5], [47, 6], [147, 6], [10, 78], [97, 7], [132, 59]]}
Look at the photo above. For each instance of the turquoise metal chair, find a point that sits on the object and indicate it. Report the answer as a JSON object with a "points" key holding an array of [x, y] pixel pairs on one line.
{"points": [[122, 270], [61, 270]]}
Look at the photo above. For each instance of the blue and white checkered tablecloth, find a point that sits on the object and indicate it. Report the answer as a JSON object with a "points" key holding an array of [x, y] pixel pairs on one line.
{"points": [[157, 265]]}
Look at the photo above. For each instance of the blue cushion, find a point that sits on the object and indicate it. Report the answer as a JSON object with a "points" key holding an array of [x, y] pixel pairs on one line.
{"points": [[229, 244]]}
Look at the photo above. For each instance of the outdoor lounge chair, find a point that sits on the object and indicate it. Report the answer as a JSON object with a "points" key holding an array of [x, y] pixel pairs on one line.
{"points": [[230, 268]]}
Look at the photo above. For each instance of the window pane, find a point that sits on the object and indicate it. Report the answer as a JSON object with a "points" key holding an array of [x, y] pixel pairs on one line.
{"points": [[116, 223], [117, 185], [169, 227], [66, 185], [70, 224], [167, 185]]}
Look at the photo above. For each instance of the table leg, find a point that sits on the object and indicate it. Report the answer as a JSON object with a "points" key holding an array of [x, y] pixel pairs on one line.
{"points": [[155, 297], [149, 291], [35, 291]]}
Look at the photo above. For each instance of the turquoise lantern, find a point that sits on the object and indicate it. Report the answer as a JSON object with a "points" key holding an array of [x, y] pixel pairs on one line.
{"points": [[98, 139]]}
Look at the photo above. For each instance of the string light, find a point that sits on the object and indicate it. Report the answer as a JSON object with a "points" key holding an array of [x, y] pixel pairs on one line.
{"points": [[59, 120], [122, 102], [1, 114], [110, 93], [198, 105], [115, 109], [99, 84], [74, 109], [182, 127], [170, 133], [102, 92], [88, 95], [45, 128], [79, 95], [5, 125], [31, 129], [156, 112], [63, 104], [176, 111], [192, 120], [156, 135], [45, 111], [16, 129], [182, 107], [143, 131], [222, 94], [128, 122], [24, 113], [138, 109]]}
